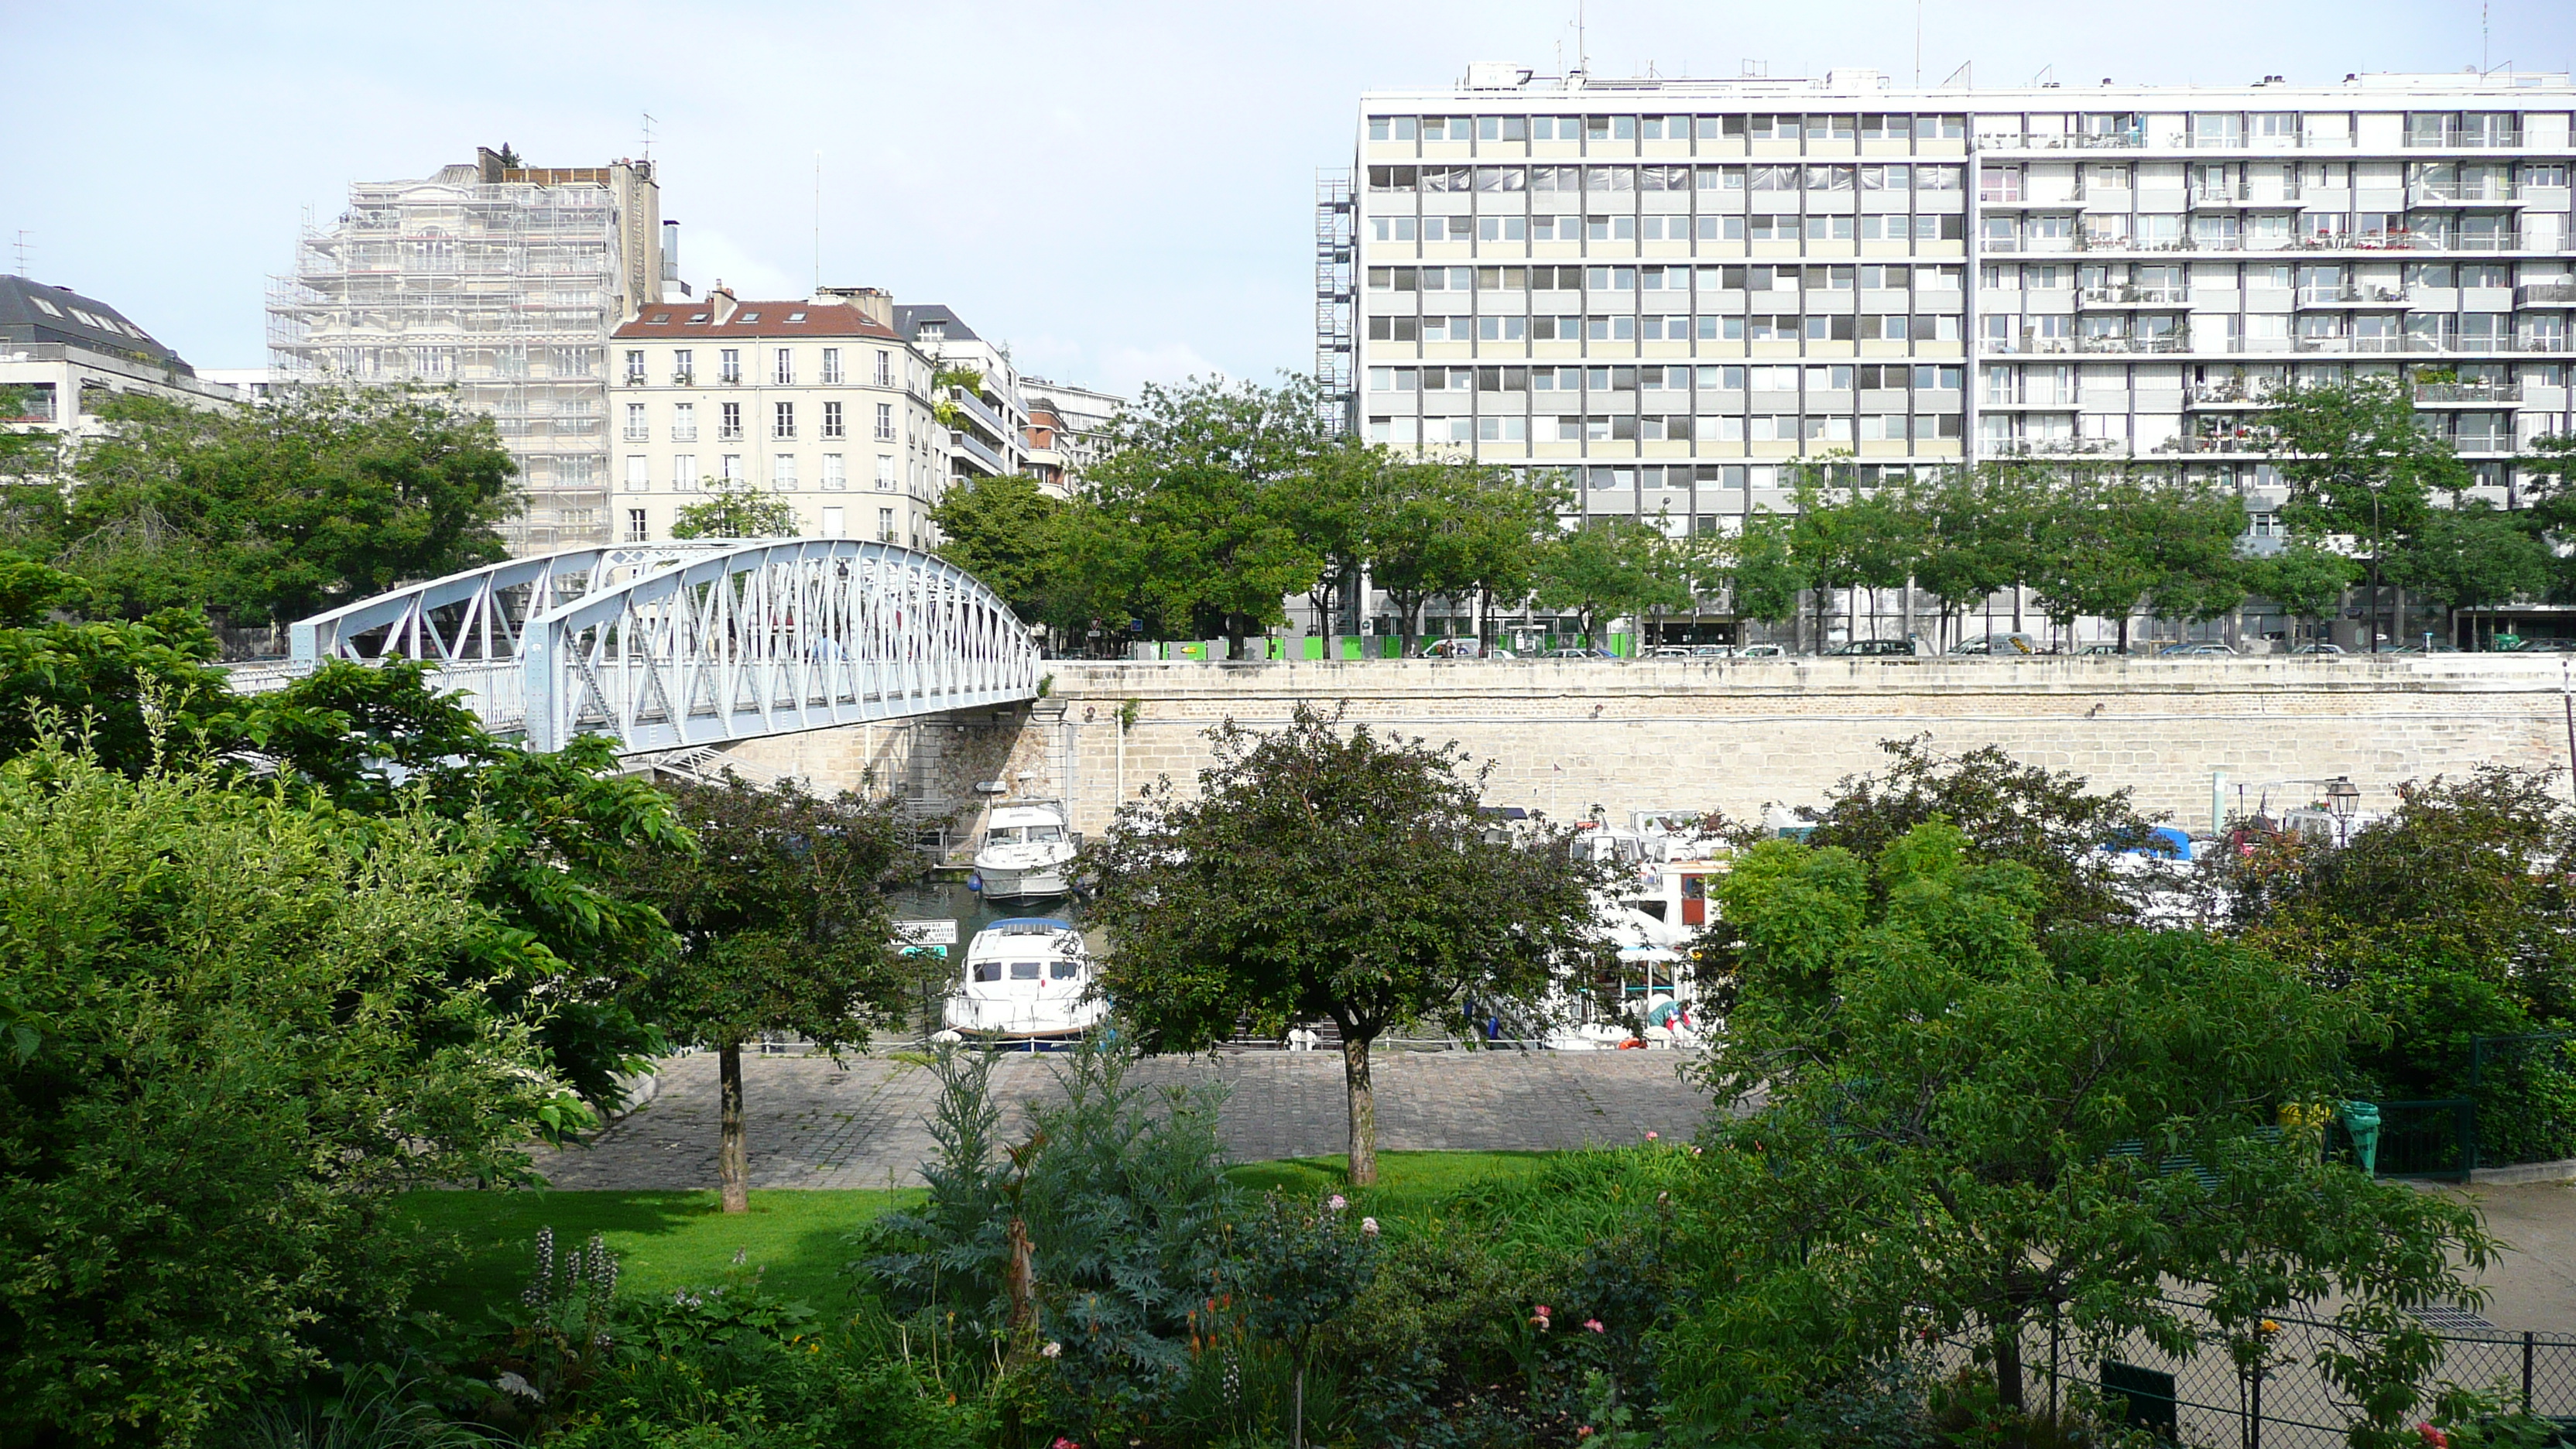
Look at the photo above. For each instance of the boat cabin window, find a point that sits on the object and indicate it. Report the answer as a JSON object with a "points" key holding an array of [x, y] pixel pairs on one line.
{"points": [[988, 970], [1038, 834], [1068, 970], [1002, 835], [1648, 906], [1025, 970]]}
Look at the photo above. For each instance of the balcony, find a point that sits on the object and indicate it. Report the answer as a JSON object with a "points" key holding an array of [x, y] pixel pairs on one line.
{"points": [[2226, 395], [2464, 141], [2462, 193], [2351, 296], [2467, 394], [2545, 294], [976, 448], [2222, 198], [2167, 297], [2230, 440], [2174, 343], [2050, 447], [2122, 141]]}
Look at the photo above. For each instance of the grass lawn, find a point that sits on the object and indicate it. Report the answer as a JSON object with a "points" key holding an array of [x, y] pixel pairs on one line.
{"points": [[663, 1240], [667, 1240]]}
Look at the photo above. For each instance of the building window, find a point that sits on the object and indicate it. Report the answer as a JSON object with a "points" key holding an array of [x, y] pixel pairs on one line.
{"points": [[786, 373], [729, 364], [639, 474], [885, 472], [832, 420], [730, 467], [683, 371], [684, 422], [635, 530], [635, 367], [782, 472], [885, 422], [684, 472], [636, 432], [885, 525], [782, 420], [835, 524], [729, 420], [835, 476], [831, 367], [885, 369]]}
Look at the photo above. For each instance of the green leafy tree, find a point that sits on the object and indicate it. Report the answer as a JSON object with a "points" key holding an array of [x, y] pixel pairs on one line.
{"points": [[1422, 532], [29, 454], [1608, 568], [277, 513], [1763, 569], [2359, 466], [784, 925], [1324, 872], [1978, 526], [2473, 556], [735, 508], [2306, 580], [1194, 517], [138, 693], [1004, 532], [2116, 542], [229, 1031], [1962, 1134]]}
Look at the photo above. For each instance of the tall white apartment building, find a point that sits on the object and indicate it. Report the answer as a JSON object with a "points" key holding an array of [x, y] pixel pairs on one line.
{"points": [[820, 400], [1678, 291], [499, 279], [990, 439], [63, 354]]}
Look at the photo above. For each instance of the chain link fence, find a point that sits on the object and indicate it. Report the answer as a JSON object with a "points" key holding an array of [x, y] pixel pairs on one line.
{"points": [[2282, 1399]]}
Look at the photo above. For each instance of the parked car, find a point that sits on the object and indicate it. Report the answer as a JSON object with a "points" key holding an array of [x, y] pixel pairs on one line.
{"points": [[2013, 644], [1712, 651], [1669, 651], [1761, 651], [2196, 649], [1873, 648], [2098, 649], [2318, 649], [1578, 654]]}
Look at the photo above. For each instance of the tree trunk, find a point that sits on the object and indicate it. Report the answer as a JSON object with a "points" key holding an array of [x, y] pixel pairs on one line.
{"points": [[1355, 1077], [2008, 1386], [733, 1165]]}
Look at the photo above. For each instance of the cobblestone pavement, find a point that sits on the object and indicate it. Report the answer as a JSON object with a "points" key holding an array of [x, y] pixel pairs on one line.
{"points": [[811, 1123]]}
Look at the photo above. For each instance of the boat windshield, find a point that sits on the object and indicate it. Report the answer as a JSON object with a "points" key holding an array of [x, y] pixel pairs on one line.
{"points": [[1025, 970], [1068, 970], [988, 970], [1002, 835], [1039, 834]]}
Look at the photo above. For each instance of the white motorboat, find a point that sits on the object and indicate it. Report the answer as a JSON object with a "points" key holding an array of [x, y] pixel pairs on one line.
{"points": [[1026, 854], [1026, 978]]}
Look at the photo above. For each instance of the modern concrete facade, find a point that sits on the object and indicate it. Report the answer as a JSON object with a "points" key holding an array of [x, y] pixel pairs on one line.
{"points": [[498, 279], [821, 400], [62, 353], [1681, 291]]}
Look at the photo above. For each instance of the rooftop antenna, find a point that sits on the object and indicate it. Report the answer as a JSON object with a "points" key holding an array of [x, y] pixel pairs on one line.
{"points": [[818, 221], [22, 251], [2482, 39], [1582, 55], [648, 135], [1918, 44], [1965, 71]]}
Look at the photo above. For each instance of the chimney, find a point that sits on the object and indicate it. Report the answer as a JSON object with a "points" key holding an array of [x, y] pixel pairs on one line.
{"points": [[488, 162], [670, 251], [873, 303], [721, 299]]}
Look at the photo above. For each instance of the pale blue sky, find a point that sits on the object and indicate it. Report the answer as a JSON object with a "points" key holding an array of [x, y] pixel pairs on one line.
{"points": [[1121, 191]]}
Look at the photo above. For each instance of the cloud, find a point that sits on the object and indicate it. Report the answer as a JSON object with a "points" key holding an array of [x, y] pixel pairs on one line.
{"points": [[1123, 370], [708, 256]]}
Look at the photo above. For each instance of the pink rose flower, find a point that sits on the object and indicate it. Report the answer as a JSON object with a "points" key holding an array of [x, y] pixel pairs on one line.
{"points": [[1595, 1325]]}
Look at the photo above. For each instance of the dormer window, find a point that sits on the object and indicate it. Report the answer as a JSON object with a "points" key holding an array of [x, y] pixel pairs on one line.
{"points": [[658, 319], [795, 316], [934, 331], [748, 317], [697, 317]]}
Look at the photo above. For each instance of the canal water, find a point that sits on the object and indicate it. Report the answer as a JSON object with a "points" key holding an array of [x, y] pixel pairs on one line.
{"points": [[950, 900]]}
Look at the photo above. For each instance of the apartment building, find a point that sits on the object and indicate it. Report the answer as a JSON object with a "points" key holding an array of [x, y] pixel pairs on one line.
{"points": [[1067, 428], [820, 400], [1678, 292], [62, 353], [502, 280]]}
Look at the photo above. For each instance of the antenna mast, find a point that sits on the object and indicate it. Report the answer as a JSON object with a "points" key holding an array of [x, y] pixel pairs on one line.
{"points": [[648, 135], [818, 221]]}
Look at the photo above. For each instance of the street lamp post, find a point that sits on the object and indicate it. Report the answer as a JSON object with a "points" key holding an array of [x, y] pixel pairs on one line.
{"points": [[2341, 797]]}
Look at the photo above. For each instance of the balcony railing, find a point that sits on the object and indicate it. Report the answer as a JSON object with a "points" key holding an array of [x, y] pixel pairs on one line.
{"points": [[2242, 441], [2135, 296], [2467, 393], [2545, 294], [2467, 346], [2244, 195], [2050, 447], [2461, 193], [2014, 141], [2464, 141], [2227, 394], [2352, 297]]}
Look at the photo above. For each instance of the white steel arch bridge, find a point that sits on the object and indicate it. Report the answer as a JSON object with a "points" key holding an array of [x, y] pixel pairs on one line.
{"points": [[673, 645]]}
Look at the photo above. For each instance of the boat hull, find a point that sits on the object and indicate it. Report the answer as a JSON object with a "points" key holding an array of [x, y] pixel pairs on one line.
{"points": [[1015, 883]]}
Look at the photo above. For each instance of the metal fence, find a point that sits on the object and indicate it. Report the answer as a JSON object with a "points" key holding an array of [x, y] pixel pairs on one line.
{"points": [[2284, 1400]]}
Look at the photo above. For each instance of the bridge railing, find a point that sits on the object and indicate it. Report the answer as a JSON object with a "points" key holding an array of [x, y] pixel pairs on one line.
{"points": [[672, 645]]}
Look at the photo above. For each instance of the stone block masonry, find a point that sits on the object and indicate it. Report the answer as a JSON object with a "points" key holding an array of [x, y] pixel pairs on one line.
{"points": [[1563, 736]]}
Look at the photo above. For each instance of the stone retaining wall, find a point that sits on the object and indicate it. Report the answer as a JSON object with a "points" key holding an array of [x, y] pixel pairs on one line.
{"points": [[1563, 736]]}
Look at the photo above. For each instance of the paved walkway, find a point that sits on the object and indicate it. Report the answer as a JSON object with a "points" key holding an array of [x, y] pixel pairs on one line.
{"points": [[813, 1124]]}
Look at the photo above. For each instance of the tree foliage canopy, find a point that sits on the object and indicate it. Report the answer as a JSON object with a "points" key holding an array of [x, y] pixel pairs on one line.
{"points": [[735, 508], [281, 511]]}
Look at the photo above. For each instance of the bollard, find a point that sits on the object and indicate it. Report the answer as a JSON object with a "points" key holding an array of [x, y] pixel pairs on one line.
{"points": [[2361, 1121]]}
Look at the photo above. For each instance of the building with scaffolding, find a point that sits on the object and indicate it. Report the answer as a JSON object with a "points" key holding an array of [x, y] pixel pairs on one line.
{"points": [[501, 281]]}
